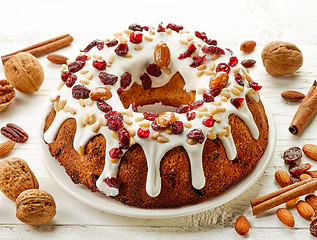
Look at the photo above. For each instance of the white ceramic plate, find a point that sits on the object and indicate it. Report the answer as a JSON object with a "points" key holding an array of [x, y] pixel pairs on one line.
{"points": [[101, 202]]}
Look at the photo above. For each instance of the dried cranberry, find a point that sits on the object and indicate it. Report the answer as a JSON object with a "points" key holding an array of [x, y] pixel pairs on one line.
{"points": [[192, 48], [201, 35], [197, 135], [124, 138], [76, 66], [236, 102], [153, 70], [174, 27], [154, 125], [91, 45], [177, 127], [122, 49], [136, 27], [233, 61], [230, 51], [255, 86], [113, 115], [198, 60], [115, 124], [292, 154], [300, 169], [209, 96], [160, 28], [146, 28], [100, 45], [196, 104], [100, 64], [143, 132], [146, 81], [108, 78], [223, 67], [80, 91], [71, 80], [211, 42], [150, 116], [113, 182], [112, 43], [183, 108], [136, 37], [238, 79], [125, 80], [209, 122], [213, 50], [65, 75], [120, 90], [248, 63], [103, 106], [115, 153], [134, 107], [190, 116], [82, 58]]}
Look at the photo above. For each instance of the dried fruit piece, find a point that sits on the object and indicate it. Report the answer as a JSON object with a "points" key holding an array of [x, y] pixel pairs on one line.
{"points": [[247, 46], [233, 61], [113, 182], [192, 48], [310, 151], [242, 225], [136, 38], [255, 86], [112, 43], [213, 50], [146, 81], [292, 155], [76, 66], [198, 60], [125, 80], [292, 96], [285, 216], [150, 116], [305, 210], [103, 106], [282, 178], [223, 67], [237, 102], [108, 78], [71, 80], [162, 55], [177, 127], [238, 79], [160, 28], [100, 93], [143, 132], [183, 108], [175, 27], [197, 135], [96, 42], [136, 27], [300, 169], [248, 63], [100, 64], [124, 138], [122, 49], [190, 116], [153, 70], [115, 153], [209, 122], [219, 80], [165, 119], [196, 104]]}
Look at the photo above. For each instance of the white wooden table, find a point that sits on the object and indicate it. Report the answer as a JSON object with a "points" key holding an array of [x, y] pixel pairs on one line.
{"points": [[230, 22]]}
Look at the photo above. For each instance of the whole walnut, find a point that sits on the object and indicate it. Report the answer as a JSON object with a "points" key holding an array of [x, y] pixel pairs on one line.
{"points": [[24, 72], [35, 207], [280, 58]]}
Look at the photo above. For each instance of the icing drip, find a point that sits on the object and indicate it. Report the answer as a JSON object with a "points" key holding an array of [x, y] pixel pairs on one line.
{"points": [[89, 117]]}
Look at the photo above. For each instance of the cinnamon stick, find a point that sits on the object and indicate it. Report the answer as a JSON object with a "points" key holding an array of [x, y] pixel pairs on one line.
{"points": [[305, 112], [44, 47], [283, 195]]}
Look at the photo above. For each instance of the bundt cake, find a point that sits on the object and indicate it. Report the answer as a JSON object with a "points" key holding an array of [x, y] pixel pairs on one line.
{"points": [[148, 159]]}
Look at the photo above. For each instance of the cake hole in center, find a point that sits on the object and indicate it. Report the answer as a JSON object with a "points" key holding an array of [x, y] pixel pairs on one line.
{"points": [[156, 108]]}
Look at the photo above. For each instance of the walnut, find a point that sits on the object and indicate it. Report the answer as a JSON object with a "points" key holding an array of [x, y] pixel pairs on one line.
{"points": [[35, 207], [7, 94], [24, 72], [15, 177], [280, 58]]}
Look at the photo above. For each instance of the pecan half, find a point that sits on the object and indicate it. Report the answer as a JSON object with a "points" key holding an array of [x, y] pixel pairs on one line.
{"points": [[14, 133]]}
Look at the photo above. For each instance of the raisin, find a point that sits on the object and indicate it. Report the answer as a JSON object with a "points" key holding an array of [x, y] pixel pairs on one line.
{"points": [[292, 155], [300, 169], [108, 78], [80, 91], [248, 63]]}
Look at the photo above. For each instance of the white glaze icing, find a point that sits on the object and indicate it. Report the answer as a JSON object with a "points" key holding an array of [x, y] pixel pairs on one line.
{"points": [[154, 151]]}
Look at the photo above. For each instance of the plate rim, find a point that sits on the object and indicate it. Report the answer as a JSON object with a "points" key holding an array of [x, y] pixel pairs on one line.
{"points": [[115, 207]]}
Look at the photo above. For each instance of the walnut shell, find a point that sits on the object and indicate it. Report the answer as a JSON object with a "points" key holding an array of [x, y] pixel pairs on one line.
{"points": [[280, 58], [24, 72], [15, 177], [35, 207]]}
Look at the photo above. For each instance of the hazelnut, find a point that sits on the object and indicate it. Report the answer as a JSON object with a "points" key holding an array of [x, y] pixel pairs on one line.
{"points": [[35, 207], [24, 72], [280, 58]]}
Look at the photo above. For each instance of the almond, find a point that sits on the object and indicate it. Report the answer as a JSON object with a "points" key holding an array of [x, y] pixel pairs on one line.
{"points": [[57, 59], [292, 96], [285, 217], [6, 147], [310, 151], [165, 119], [242, 225], [312, 201], [162, 56], [100, 93], [247, 46], [282, 178], [305, 210]]}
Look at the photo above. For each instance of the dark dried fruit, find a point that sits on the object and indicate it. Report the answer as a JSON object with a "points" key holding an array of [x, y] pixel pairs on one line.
{"points": [[112, 43], [237, 102], [238, 79], [120, 90], [248, 63], [122, 49], [113, 115], [100, 64], [143, 132], [115, 153], [82, 58], [213, 50], [233, 61], [160, 28], [175, 27], [113, 182], [150, 116], [153, 70], [183, 108], [177, 127], [292, 154], [136, 37], [65, 75], [190, 116], [136, 27], [255, 86], [211, 42], [80, 91], [154, 125], [103, 106], [146, 81], [201, 35], [71, 80], [209, 122], [76, 66], [125, 80], [196, 104], [197, 135], [192, 48], [124, 138], [94, 43], [14, 133], [198, 60], [300, 169], [108, 78], [209, 96], [223, 67], [115, 124]]}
